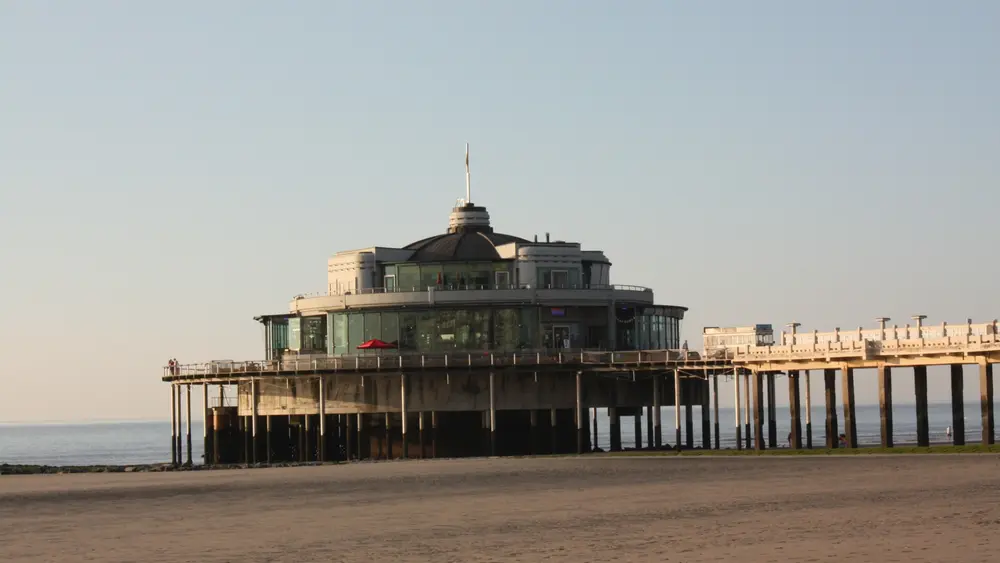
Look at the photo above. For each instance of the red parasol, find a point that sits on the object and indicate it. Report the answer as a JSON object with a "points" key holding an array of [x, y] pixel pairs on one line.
{"points": [[375, 344]]}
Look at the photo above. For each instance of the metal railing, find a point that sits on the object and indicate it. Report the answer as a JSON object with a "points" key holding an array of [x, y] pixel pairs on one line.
{"points": [[870, 343], [417, 361], [473, 287]]}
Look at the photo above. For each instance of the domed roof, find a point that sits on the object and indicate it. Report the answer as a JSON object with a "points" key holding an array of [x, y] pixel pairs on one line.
{"points": [[465, 245], [469, 238]]}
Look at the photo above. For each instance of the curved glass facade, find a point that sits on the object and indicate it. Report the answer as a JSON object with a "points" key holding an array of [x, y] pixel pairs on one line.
{"points": [[500, 329]]}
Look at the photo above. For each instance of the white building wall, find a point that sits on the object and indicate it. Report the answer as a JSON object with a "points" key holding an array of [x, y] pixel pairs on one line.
{"points": [[350, 271], [531, 257]]}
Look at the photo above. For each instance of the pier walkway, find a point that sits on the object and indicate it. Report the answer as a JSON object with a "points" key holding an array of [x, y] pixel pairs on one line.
{"points": [[882, 349]]}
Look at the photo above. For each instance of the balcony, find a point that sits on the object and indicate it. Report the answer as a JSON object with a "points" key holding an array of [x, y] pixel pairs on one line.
{"points": [[465, 295]]}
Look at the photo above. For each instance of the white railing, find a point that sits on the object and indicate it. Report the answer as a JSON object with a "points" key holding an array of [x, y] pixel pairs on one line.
{"points": [[871, 343], [472, 287], [894, 332], [393, 361]]}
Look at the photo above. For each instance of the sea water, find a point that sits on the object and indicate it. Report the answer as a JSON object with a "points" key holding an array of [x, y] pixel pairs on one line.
{"points": [[133, 443]]}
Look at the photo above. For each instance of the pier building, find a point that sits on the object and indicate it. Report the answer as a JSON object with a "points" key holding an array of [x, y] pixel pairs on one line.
{"points": [[466, 342]]}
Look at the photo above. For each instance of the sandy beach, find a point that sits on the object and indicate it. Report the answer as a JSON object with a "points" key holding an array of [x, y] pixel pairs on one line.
{"points": [[891, 508]]}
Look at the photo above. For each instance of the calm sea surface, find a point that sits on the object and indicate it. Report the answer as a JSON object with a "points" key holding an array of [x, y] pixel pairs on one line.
{"points": [[123, 443]]}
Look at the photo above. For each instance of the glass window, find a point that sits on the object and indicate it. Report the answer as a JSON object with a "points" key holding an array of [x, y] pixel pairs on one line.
{"points": [[390, 328], [454, 276], [529, 328], [479, 276], [506, 329], [502, 280], [313, 334], [431, 275], [408, 277], [389, 283], [408, 331], [355, 331], [340, 341], [279, 334], [294, 333], [373, 326]]}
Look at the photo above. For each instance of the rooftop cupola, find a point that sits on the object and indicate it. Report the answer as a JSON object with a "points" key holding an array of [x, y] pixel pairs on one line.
{"points": [[468, 217]]}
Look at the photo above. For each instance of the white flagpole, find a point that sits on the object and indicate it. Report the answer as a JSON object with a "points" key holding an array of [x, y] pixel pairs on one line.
{"points": [[468, 181]]}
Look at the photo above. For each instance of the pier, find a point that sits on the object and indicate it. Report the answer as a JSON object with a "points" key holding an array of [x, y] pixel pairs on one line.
{"points": [[880, 350], [398, 405], [450, 405]]}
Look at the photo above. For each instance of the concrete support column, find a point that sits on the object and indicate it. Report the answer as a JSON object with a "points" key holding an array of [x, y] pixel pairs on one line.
{"points": [[746, 410], [920, 392], [267, 443], [322, 418], [207, 425], [638, 429], [190, 461], [493, 410], [689, 424], [554, 434], [404, 414], [958, 404], [180, 424], [715, 409], [173, 425], [616, 430], [362, 435], [736, 410], [217, 428], [649, 427], [657, 431], [677, 409], [434, 429], [388, 436], [885, 403], [794, 410], [809, 419], [579, 412], [420, 432], [850, 420], [348, 445], [758, 411], [706, 416], [594, 431], [253, 414], [772, 413], [533, 422], [986, 400], [830, 388]]}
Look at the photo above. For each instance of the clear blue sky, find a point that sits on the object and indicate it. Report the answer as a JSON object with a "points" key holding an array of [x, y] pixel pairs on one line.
{"points": [[170, 170]]}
